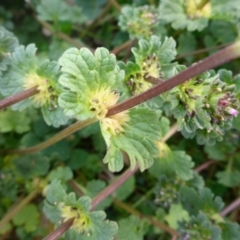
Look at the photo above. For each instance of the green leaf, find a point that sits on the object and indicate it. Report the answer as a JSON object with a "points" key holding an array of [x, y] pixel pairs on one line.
{"points": [[28, 217], [172, 162], [176, 214], [140, 22], [18, 122], [183, 14], [57, 10], [78, 159], [198, 228], [23, 62], [125, 189], [132, 228], [230, 231], [8, 42], [32, 165], [55, 192], [93, 188], [94, 75], [229, 178], [60, 173], [187, 43], [138, 140], [91, 8], [203, 200], [54, 117], [166, 50]]}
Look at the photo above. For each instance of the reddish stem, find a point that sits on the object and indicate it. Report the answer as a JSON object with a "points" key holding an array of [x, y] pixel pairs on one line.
{"points": [[18, 97], [215, 60]]}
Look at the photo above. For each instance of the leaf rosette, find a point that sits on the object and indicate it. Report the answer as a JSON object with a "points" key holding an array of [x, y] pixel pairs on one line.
{"points": [[152, 64], [93, 83], [25, 73], [91, 224]]}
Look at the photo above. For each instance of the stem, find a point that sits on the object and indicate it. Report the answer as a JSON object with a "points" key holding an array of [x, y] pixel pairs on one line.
{"points": [[204, 166], [202, 50], [102, 195], [113, 186], [115, 4], [170, 133], [223, 56], [95, 22], [122, 47], [62, 35], [143, 198], [231, 207], [14, 211], [60, 230], [18, 97], [73, 184], [154, 222], [59, 136]]}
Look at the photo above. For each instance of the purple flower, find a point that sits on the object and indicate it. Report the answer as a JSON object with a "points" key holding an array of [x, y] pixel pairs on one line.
{"points": [[232, 111]]}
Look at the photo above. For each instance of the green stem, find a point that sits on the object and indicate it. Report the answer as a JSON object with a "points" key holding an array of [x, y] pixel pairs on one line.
{"points": [[227, 54], [115, 4], [105, 193], [143, 198], [14, 211], [59, 136], [154, 222], [202, 51], [6, 102]]}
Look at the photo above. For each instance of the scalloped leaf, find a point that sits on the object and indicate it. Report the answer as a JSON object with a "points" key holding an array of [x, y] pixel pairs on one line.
{"points": [[184, 14], [86, 74], [199, 227], [132, 228], [166, 50], [28, 217], [137, 141], [140, 22], [204, 199], [8, 42], [90, 224], [172, 162], [14, 121], [229, 178], [57, 10], [23, 62]]}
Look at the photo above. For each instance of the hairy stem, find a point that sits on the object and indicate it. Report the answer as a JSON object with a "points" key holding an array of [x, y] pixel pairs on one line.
{"points": [[15, 210], [59, 136], [154, 222], [18, 97], [60, 230], [112, 187], [223, 56]]}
